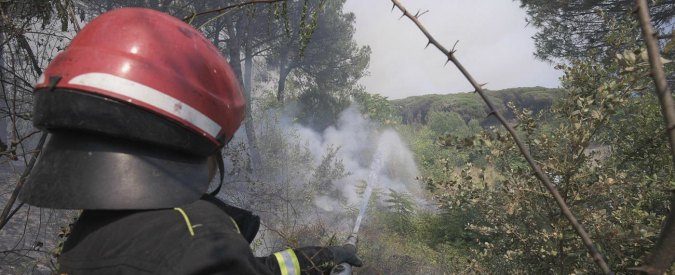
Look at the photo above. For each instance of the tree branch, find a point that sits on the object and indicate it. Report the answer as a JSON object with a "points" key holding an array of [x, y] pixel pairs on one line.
{"points": [[665, 36], [23, 42], [597, 257], [71, 15], [4, 217], [223, 9], [663, 254]]}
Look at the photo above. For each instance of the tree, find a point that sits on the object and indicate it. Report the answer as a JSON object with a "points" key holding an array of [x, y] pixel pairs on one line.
{"points": [[606, 162], [295, 22], [401, 210], [276, 32], [570, 29], [331, 66], [376, 107], [445, 123], [242, 36]]}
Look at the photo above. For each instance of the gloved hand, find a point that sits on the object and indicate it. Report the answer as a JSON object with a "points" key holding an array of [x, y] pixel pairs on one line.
{"points": [[320, 260], [346, 254]]}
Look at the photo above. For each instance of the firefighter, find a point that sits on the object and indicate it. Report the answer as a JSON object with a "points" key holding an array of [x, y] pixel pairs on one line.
{"points": [[137, 109]]}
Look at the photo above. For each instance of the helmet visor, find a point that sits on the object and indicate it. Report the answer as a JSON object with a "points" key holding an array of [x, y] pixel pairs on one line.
{"points": [[85, 171]]}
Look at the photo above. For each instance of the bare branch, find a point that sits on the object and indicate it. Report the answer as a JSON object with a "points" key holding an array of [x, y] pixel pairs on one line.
{"points": [[71, 15], [19, 77], [223, 9], [665, 36], [4, 217], [663, 254], [23, 42], [11, 214], [597, 257]]}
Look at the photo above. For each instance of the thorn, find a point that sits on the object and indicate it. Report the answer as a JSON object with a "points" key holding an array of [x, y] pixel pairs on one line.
{"points": [[402, 15], [446, 62], [428, 43], [483, 85], [453, 47], [449, 56], [417, 14], [392, 7], [491, 113]]}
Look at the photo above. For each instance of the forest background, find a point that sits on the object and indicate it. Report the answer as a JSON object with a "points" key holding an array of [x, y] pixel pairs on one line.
{"points": [[455, 196]]}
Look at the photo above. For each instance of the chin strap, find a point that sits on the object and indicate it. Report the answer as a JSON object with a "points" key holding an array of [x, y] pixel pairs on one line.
{"points": [[221, 169]]}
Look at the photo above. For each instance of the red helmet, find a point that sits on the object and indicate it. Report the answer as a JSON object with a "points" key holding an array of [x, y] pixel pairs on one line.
{"points": [[134, 106]]}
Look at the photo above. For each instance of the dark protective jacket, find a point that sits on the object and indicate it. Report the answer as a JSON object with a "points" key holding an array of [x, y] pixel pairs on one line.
{"points": [[204, 237]]}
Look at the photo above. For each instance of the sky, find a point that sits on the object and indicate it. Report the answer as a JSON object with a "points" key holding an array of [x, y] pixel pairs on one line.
{"points": [[495, 45]]}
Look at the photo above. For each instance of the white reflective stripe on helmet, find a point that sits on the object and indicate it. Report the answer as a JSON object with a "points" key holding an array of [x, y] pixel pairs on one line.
{"points": [[288, 262], [150, 96]]}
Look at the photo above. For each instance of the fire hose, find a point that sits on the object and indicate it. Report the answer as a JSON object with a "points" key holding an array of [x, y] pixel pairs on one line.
{"points": [[345, 268]]}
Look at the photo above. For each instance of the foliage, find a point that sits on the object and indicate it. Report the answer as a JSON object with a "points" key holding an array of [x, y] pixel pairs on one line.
{"points": [[620, 198], [293, 24], [320, 108], [400, 210], [573, 29], [331, 66], [283, 191], [469, 106], [403, 239], [600, 138], [376, 107], [28, 10], [444, 123]]}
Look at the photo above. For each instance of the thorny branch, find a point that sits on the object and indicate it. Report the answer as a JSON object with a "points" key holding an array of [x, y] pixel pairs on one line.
{"points": [[663, 254], [539, 173]]}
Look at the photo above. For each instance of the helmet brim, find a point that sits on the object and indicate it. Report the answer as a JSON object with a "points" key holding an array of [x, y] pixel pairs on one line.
{"points": [[86, 171]]}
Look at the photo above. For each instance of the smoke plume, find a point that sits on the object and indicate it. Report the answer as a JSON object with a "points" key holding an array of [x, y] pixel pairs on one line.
{"points": [[314, 179]]}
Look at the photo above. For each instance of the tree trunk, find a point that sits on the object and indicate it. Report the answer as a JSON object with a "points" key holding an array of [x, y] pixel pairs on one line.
{"points": [[3, 121], [283, 74], [663, 253], [256, 160], [234, 52]]}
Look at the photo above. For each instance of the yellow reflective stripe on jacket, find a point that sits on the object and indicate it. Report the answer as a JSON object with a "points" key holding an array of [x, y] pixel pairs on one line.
{"points": [[288, 262], [187, 220], [190, 226], [236, 226]]}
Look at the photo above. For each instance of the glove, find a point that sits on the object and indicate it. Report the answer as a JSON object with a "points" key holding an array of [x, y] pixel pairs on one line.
{"points": [[346, 254], [320, 260]]}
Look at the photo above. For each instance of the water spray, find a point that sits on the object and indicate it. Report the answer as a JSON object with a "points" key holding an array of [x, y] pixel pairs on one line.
{"points": [[375, 166]]}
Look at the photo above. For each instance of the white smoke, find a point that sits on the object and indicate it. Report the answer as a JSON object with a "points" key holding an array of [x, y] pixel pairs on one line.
{"points": [[284, 196], [357, 138]]}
